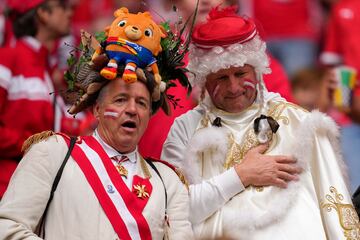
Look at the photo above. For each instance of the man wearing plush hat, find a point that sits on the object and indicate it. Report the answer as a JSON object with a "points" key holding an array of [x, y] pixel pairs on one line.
{"points": [[99, 186], [238, 147], [25, 69], [107, 190]]}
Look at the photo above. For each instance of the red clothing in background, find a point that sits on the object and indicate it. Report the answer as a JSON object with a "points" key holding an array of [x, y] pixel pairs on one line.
{"points": [[26, 107], [343, 37], [6, 34], [159, 125], [277, 81], [286, 18]]}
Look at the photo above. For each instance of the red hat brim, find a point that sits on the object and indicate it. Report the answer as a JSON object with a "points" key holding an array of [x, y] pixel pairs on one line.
{"points": [[223, 30]]}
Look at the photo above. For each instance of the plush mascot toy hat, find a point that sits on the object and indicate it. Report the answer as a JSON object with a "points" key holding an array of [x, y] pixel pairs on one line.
{"points": [[85, 74], [225, 40]]}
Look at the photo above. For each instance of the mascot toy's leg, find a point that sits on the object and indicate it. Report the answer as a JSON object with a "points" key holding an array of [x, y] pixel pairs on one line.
{"points": [[110, 71], [129, 74]]}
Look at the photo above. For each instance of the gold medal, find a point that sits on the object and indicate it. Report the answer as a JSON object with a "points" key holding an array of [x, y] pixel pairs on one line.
{"points": [[122, 170], [140, 191]]}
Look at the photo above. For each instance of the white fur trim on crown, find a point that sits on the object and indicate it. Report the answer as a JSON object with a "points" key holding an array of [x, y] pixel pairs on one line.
{"points": [[205, 61]]}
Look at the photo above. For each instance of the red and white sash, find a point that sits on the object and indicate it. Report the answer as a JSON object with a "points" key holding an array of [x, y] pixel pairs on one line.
{"points": [[119, 204]]}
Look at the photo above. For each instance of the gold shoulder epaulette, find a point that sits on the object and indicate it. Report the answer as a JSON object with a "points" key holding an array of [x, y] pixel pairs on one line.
{"points": [[38, 137], [175, 169]]}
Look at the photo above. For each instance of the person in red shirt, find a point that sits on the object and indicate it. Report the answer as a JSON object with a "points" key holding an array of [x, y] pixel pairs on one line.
{"points": [[6, 34], [26, 107], [292, 29], [342, 48], [5, 26]]}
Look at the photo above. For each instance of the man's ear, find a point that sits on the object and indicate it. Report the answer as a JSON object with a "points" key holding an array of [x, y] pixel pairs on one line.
{"points": [[96, 110]]}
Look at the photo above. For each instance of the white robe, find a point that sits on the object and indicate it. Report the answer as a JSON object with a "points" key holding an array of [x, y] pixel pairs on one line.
{"points": [[220, 207]]}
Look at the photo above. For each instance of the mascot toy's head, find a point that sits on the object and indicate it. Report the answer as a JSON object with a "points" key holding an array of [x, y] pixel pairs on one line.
{"points": [[133, 40], [138, 28]]}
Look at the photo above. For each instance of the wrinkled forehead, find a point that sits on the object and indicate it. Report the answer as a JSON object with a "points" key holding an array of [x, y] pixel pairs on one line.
{"points": [[237, 70], [234, 68], [120, 87]]}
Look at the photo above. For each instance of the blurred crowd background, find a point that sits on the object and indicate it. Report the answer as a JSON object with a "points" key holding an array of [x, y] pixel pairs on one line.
{"points": [[314, 47]]}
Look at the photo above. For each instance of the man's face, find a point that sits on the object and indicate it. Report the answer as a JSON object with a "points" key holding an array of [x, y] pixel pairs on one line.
{"points": [[232, 89], [57, 18], [123, 112]]}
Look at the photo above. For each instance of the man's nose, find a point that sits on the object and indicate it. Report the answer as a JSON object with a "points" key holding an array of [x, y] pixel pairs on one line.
{"points": [[131, 109], [234, 84]]}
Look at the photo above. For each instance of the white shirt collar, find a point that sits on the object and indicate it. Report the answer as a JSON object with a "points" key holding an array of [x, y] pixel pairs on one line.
{"points": [[32, 42], [111, 152]]}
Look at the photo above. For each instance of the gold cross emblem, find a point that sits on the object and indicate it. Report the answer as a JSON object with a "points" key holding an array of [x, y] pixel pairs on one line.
{"points": [[140, 191]]}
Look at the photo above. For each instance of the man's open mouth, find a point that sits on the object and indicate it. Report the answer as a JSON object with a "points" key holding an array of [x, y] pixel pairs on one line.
{"points": [[129, 124]]}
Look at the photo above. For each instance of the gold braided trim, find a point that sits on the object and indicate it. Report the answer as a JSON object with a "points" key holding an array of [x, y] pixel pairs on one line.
{"points": [[182, 178], [348, 218], [38, 137], [145, 168]]}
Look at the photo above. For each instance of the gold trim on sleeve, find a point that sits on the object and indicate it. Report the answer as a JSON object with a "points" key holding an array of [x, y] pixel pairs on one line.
{"points": [[348, 218]]}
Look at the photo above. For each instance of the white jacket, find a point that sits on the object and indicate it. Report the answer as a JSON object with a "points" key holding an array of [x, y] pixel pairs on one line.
{"points": [[74, 212]]}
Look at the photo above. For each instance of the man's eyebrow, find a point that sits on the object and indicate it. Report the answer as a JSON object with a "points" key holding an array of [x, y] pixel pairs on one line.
{"points": [[143, 98], [121, 94]]}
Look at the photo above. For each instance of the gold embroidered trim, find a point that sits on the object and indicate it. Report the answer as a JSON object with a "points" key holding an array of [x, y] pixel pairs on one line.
{"points": [[348, 218], [236, 151], [144, 168], [276, 110]]}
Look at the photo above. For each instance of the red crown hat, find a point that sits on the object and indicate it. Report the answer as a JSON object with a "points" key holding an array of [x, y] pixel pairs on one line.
{"points": [[225, 40], [22, 6], [223, 28]]}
